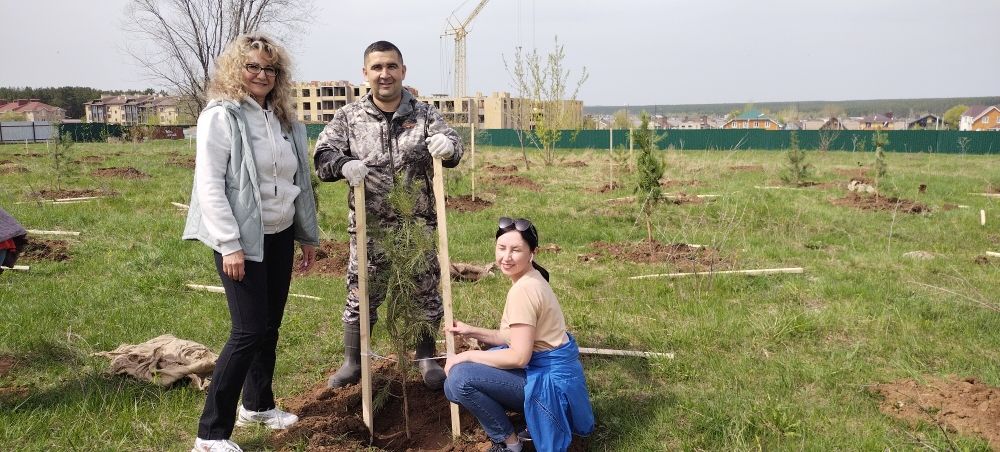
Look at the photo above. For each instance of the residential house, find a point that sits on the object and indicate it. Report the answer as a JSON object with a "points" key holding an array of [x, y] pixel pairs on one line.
{"points": [[979, 117], [927, 122], [33, 110], [752, 119], [881, 122]]}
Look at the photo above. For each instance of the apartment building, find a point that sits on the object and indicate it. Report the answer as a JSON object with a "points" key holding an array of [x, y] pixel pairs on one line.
{"points": [[137, 109]]}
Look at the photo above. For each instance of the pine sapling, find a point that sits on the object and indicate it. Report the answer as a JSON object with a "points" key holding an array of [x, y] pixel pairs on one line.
{"points": [[650, 169], [881, 166], [63, 164], [406, 244], [796, 169]]}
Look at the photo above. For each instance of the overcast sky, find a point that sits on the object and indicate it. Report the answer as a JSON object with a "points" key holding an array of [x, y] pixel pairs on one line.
{"points": [[636, 51]]}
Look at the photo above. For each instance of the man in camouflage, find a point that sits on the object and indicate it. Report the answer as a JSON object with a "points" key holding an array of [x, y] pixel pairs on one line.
{"points": [[387, 133]]}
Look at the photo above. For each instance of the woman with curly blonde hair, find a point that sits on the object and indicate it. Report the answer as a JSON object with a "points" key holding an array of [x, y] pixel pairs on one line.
{"points": [[251, 200]]}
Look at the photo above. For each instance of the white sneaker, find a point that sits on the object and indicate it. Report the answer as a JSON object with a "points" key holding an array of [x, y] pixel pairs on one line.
{"points": [[215, 445], [273, 418]]}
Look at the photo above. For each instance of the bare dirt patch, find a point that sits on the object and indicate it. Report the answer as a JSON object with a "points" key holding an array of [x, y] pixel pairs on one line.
{"points": [[881, 203], [7, 363], [331, 259], [575, 164], [465, 203], [682, 256], [682, 198], [507, 169], [606, 187], [183, 161], [671, 183], [330, 420], [963, 405], [513, 180], [72, 193], [747, 168], [6, 162], [126, 172], [983, 259], [45, 250], [12, 168]]}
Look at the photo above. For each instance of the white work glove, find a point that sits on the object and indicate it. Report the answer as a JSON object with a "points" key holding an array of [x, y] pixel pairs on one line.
{"points": [[354, 171], [440, 146]]}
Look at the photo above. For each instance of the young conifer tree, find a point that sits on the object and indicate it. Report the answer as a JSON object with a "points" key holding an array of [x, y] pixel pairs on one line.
{"points": [[796, 169], [63, 164], [406, 243], [649, 170], [881, 167]]}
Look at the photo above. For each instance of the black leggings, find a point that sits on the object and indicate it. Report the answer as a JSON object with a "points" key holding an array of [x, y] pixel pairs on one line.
{"points": [[246, 362]]}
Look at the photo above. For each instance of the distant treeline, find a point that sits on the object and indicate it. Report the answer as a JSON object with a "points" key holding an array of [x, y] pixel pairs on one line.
{"points": [[899, 107], [69, 98]]}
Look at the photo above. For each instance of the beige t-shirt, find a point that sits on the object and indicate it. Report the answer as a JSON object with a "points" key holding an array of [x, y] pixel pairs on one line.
{"points": [[530, 301]]}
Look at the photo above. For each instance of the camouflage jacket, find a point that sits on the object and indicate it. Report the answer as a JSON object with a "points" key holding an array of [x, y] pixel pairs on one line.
{"points": [[359, 131]]}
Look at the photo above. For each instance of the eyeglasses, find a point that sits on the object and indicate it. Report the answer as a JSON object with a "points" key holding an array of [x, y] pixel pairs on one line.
{"points": [[521, 224], [255, 69]]}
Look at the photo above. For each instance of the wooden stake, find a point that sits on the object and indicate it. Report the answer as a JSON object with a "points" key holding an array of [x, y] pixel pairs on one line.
{"points": [[993, 254], [179, 205], [41, 232], [473, 140], [982, 217], [445, 263], [763, 271], [80, 198], [988, 195], [20, 268], [72, 202], [610, 352], [361, 239]]}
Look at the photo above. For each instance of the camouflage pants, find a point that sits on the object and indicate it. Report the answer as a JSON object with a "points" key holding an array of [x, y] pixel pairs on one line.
{"points": [[428, 295]]}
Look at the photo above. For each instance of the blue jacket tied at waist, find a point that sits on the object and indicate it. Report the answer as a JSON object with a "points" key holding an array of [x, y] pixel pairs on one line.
{"points": [[556, 401]]}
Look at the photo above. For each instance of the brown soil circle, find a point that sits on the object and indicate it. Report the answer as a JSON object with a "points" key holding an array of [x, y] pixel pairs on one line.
{"points": [[575, 164], [330, 419], [465, 203], [682, 256], [331, 260], [45, 250], [126, 172], [963, 405], [7, 363], [507, 169], [881, 203], [182, 161], [514, 180]]}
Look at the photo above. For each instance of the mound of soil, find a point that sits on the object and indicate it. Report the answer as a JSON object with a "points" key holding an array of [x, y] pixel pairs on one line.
{"points": [[747, 168], [575, 164], [330, 420], [983, 259], [182, 161], [465, 203], [121, 172], [682, 256], [72, 193], [12, 168], [514, 180], [962, 405], [29, 154], [7, 363], [607, 187], [683, 198], [883, 203], [6, 162], [331, 259], [670, 183], [45, 250], [508, 169]]}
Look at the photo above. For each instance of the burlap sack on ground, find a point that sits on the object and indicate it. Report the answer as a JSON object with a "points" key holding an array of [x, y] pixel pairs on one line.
{"points": [[469, 272], [163, 360]]}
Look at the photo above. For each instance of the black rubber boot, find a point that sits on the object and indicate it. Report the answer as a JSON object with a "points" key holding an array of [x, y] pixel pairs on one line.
{"points": [[431, 372], [350, 372]]}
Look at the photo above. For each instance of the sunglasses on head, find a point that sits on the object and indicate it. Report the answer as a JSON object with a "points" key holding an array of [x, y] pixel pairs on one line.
{"points": [[521, 224]]}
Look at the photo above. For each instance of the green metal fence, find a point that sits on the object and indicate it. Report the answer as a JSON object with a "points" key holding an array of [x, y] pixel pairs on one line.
{"points": [[943, 141]]}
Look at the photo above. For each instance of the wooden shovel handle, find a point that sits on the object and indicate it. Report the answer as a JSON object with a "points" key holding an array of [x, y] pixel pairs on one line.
{"points": [[445, 263]]}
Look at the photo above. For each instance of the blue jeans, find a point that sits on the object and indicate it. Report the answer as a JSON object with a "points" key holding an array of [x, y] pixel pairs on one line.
{"points": [[488, 393]]}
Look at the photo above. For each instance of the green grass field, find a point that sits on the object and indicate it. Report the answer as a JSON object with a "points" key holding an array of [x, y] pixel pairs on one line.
{"points": [[775, 362]]}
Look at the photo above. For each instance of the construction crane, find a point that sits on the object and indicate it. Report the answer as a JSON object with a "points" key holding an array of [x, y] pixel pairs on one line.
{"points": [[460, 29]]}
